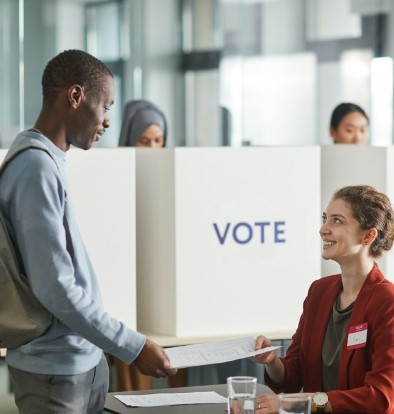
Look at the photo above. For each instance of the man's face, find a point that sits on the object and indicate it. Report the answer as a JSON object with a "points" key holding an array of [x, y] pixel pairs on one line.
{"points": [[91, 118]]}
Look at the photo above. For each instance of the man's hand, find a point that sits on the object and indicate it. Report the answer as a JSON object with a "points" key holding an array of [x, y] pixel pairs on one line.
{"points": [[153, 361]]}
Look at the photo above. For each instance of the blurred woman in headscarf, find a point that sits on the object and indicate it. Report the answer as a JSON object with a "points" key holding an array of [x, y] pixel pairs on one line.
{"points": [[143, 125]]}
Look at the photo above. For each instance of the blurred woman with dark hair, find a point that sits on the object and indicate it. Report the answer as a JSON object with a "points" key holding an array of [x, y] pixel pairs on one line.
{"points": [[349, 124]]}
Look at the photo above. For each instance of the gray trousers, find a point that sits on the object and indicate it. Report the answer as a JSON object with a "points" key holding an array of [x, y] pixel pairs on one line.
{"points": [[61, 394]]}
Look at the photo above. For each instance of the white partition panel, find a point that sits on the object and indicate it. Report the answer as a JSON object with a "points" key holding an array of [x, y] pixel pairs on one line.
{"points": [[227, 239], [355, 165], [102, 186]]}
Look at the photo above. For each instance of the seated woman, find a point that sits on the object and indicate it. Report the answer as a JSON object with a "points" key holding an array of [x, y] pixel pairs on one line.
{"points": [[342, 353], [143, 125], [349, 124]]}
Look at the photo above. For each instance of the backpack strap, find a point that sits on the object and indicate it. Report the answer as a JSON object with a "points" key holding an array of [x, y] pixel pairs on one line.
{"points": [[12, 154]]}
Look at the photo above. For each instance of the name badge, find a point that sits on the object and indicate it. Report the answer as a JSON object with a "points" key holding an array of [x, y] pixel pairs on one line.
{"points": [[357, 337]]}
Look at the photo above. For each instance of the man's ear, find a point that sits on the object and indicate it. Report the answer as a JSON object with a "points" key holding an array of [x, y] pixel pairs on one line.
{"points": [[75, 95]]}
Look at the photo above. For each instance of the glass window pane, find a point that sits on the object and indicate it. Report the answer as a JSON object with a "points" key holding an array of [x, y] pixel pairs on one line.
{"points": [[103, 30], [9, 72], [381, 125]]}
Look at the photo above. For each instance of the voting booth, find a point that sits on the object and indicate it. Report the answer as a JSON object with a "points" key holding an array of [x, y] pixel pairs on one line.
{"points": [[343, 165], [102, 191], [227, 238]]}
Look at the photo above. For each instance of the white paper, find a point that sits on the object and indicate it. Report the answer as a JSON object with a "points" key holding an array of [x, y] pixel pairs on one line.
{"points": [[157, 400], [214, 352]]}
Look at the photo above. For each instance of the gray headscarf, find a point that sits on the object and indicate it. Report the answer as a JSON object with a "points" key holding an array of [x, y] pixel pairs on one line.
{"points": [[139, 115]]}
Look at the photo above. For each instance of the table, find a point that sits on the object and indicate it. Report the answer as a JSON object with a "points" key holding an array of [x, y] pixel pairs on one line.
{"points": [[112, 405]]}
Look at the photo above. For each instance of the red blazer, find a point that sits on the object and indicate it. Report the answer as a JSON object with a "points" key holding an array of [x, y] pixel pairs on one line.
{"points": [[366, 375]]}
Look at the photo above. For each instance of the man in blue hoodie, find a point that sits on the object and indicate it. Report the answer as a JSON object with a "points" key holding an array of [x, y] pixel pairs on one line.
{"points": [[64, 370]]}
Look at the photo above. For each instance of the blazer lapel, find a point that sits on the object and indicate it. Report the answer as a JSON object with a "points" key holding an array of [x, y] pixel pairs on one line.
{"points": [[357, 317], [323, 314]]}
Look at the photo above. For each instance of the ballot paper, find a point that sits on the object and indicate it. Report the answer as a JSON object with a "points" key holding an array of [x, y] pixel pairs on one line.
{"points": [[157, 400], [214, 352]]}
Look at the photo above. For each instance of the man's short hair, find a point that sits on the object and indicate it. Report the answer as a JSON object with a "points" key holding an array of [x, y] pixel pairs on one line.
{"points": [[73, 67]]}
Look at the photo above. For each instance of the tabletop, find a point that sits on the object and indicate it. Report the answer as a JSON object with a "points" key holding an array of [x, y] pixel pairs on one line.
{"points": [[113, 405]]}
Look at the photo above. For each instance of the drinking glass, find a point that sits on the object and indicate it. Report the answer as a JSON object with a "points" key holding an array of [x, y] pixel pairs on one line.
{"points": [[241, 393]]}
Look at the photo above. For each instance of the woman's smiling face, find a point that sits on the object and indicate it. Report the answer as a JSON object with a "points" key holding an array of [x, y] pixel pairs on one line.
{"points": [[341, 233]]}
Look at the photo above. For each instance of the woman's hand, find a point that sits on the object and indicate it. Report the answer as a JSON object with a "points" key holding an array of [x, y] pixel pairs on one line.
{"points": [[268, 357], [267, 404]]}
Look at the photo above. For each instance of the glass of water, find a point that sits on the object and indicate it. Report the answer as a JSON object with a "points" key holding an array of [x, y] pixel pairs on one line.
{"points": [[294, 404], [241, 395]]}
